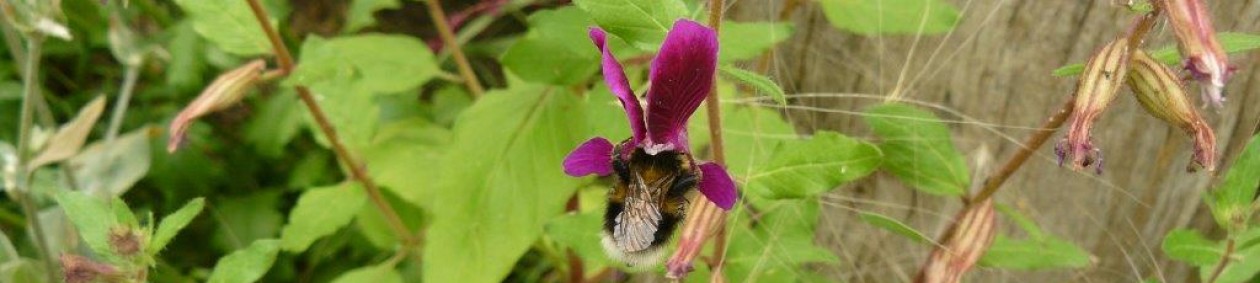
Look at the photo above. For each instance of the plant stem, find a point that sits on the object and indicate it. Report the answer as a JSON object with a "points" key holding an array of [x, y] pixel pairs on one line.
{"points": [[124, 99], [448, 37], [1031, 144], [30, 93], [1220, 267], [358, 170]]}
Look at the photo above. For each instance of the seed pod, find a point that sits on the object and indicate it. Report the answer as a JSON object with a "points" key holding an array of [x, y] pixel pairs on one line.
{"points": [[965, 242], [1196, 39], [1095, 89], [225, 91], [1162, 95]]}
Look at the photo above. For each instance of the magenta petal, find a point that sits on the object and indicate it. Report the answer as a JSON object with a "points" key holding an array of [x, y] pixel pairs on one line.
{"points": [[682, 76], [716, 185], [615, 77], [592, 157]]}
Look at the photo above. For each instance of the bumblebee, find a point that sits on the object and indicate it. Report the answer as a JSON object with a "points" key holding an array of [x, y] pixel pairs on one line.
{"points": [[647, 202]]}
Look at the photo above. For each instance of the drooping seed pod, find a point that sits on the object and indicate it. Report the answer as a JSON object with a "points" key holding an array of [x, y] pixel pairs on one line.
{"points": [[1196, 39], [1162, 95], [1095, 89], [225, 91], [965, 242]]}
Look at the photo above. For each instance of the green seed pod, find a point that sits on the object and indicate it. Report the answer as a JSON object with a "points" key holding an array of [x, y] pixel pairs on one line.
{"points": [[1163, 96]]}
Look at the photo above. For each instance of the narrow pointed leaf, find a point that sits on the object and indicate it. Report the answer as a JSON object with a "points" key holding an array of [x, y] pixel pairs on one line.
{"points": [[893, 225], [763, 84], [171, 224]]}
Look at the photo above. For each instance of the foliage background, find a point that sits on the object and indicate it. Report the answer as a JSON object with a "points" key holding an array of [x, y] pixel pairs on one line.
{"points": [[259, 163]]}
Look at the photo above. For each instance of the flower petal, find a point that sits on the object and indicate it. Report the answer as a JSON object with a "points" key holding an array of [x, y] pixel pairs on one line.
{"points": [[615, 77], [592, 157], [681, 76], [716, 185]]}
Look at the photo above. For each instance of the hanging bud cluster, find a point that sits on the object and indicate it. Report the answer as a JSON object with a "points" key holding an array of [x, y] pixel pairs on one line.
{"points": [[1161, 94], [1156, 87]]}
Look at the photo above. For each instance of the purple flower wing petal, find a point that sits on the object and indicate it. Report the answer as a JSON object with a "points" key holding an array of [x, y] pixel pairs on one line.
{"points": [[615, 77], [681, 76], [716, 185], [592, 157]]}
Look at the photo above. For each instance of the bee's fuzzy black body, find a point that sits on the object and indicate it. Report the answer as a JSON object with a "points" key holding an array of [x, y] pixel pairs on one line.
{"points": [[649, 200]]}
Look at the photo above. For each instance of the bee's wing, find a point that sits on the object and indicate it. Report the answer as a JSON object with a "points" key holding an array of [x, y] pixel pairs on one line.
{"points": [[635, 228]]}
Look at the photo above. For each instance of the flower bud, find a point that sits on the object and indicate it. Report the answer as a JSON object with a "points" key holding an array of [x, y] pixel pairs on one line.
{"points": [[78, 269], [124, 240], [1161, 94], [225, 91], [1196, 39], [965, 242], [1095, 89]]}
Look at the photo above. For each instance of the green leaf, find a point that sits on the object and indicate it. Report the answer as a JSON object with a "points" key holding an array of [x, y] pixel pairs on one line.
{"points": [[246, 265], [780, 245], [277, 121], [556, 49], [112, 167], [372, 224], [918, 149], [743, 41], [185, 71], [360, 13], [501, 182], [1244, 266], [1022, 221], [1232, 42], [174, 222], [1231, 201], [347, 73], [383, 273], [892, 225], [1191, 247], [404, 151], [891, 16], [806, 168], [92, 216], [1034, 254], [642, 23], [245, 219], [229, 24], [320, 212], [751, 135], [758, 81], [581, 232], [374, 63]]}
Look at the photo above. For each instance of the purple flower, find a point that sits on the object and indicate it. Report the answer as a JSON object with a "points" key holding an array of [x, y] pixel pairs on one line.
{"points": [[681, 77]]}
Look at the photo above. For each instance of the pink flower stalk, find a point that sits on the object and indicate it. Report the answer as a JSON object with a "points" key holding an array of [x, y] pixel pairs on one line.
{"points": [[1204, 57], [654, 169]]}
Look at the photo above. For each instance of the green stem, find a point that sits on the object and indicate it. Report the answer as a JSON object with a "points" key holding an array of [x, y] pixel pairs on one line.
{"points": [[448, 37], [124, 98], [30, 91]]}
